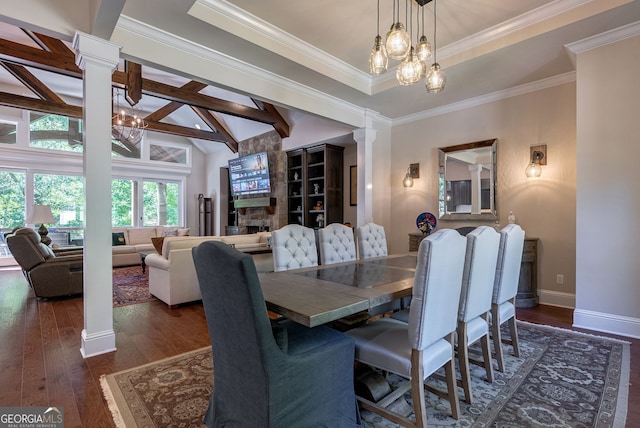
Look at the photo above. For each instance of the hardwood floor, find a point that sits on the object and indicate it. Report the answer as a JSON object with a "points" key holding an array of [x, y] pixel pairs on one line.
{"points": [[41, 363]]}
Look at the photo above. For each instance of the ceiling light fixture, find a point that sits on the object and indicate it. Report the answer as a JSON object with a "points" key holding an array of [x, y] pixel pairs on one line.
{"points": [[436, 79], [397, 45], [378, 59], [127, 127]]}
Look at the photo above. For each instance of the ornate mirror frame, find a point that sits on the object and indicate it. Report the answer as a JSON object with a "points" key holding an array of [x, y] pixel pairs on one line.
{"points": [[478, 192]]}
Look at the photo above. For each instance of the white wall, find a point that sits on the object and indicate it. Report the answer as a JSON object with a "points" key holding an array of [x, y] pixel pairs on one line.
{"points": [[608, 200], [544, 207]]}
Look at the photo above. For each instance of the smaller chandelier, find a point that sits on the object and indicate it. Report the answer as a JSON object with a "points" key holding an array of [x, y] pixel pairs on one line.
{"points": [[127, 127]]}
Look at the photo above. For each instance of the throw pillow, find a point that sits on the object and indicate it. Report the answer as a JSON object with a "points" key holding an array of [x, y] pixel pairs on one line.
{"points": [[117, 239], [170, 232], [157, 244]]}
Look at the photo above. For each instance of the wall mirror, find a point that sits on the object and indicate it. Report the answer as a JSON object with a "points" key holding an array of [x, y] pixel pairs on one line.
{"points": [[467, 181]]}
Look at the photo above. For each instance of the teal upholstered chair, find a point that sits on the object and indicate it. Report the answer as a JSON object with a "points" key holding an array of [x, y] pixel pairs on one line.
{"points": [[285, 375]]}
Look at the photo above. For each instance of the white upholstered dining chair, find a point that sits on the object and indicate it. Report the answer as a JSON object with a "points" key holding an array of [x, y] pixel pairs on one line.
{"points": [[475, 301], [372, 241], [417, 349], [294, 247], [505, 288], [336, 244]]}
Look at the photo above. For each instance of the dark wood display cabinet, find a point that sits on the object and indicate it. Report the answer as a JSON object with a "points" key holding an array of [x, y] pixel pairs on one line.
{"points": [[315, 185]]}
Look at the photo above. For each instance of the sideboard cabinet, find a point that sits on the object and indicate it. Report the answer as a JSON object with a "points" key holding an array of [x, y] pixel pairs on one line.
{"points": [[527, 296]]}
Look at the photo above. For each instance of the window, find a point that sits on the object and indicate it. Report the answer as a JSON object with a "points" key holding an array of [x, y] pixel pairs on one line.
{"points": [[54, 132], [122, 202], [12, 199], [163, 153], [8, 132], [65, 195], [160, 203]]}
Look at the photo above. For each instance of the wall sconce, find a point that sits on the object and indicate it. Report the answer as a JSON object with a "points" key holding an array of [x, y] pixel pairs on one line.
{"points": [[412, 172], [538, 158]]}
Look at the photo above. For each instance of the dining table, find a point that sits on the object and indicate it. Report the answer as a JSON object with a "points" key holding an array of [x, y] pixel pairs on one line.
{"points": [[321, 294]]}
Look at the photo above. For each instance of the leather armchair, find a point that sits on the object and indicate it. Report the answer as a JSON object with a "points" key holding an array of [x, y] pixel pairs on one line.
{"points": [[48, 275]]}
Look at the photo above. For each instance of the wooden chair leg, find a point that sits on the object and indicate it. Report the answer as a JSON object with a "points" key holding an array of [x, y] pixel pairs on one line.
{"points": [[463, 359], [513, 330], [486, 356], [417, 388], [496, 336], [452, 387]]}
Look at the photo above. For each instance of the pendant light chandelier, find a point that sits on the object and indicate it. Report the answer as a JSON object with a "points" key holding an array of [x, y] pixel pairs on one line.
{"points": [[436, 79], [397, 45], [128, 127], [378, 59]]}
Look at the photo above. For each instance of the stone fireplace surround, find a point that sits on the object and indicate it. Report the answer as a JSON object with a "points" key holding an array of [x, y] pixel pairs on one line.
{"points": [[254, 219]]}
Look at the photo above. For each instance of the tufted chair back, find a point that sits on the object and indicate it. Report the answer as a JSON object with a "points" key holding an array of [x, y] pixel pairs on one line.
{"points": [[371, 241], [294, 247], [336, 244]]}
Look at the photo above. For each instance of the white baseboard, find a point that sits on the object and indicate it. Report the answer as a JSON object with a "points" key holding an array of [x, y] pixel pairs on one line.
{"points": [[607, 323], [556, 298], [97, 343]]}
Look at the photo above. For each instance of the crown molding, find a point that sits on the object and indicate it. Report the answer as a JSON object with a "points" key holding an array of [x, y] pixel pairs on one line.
{"points": [[550, 82], [241, 23], [603, 39]]}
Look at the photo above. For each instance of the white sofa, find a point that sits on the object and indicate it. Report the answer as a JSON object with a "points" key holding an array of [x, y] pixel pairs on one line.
{"points": [[137, 240], [172, 275]]}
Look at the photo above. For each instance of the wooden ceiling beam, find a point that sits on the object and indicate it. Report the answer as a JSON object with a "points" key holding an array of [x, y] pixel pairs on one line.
{"points": [[213, 123], [169, 108], [280, 125], [133, 90], [173, 93], [44, 106], [184, 131], [20, 54], [32, 82], [50, 44]]}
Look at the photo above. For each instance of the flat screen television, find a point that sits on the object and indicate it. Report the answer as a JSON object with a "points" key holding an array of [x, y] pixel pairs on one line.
{"points": [[249, 175]]}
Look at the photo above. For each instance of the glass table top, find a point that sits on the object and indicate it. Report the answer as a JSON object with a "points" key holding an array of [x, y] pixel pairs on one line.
{"points": [[408, 261]]}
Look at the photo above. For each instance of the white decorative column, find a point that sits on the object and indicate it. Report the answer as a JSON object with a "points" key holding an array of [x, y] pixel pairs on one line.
{"points": [[365, 138], [98, 59]]}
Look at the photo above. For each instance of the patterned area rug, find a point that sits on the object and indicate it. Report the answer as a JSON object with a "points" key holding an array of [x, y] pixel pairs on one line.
{"points": [[563, 379], [130, 286]]}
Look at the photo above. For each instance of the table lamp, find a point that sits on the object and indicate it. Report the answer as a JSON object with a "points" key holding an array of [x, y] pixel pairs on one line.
{"points": [[42, 214]]}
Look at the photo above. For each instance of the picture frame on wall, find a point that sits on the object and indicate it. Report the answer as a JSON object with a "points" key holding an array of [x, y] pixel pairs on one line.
{"points": [[353, 186]]}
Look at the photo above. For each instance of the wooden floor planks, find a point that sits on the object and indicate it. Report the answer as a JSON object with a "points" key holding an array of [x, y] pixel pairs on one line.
{"points": [[41, 362]]}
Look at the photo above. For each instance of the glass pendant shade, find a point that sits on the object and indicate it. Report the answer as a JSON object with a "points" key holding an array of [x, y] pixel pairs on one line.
{"points": [[378, 60], [423, 49], [408, 180], [533, 170], [436, 79], [398, 42], [409, 70]]}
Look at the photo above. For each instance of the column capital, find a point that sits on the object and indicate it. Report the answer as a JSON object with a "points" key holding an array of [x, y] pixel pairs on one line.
{"points": [[364, 135], [94, 49]]}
